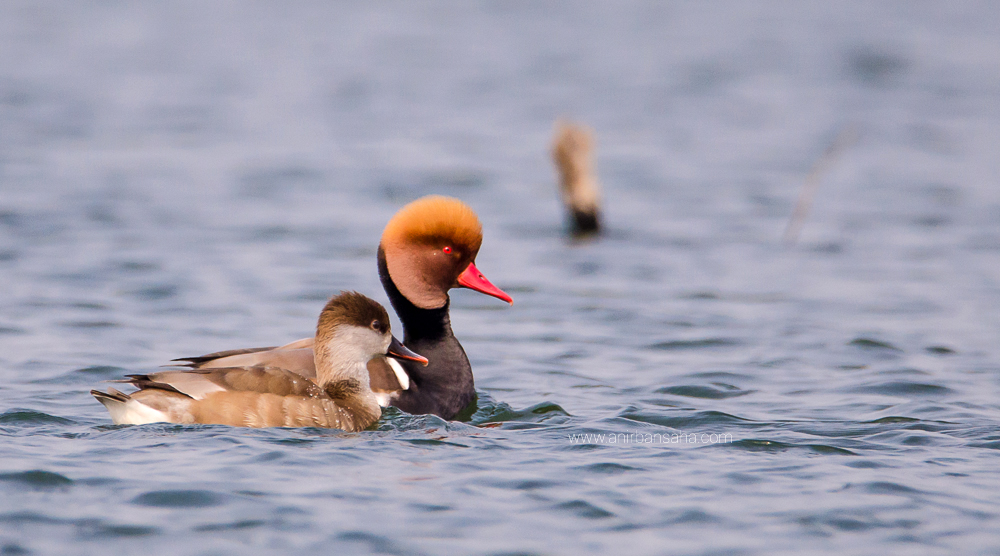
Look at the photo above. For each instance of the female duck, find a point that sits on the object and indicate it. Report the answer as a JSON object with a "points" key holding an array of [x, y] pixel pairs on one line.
{"points": [[352, 331]]}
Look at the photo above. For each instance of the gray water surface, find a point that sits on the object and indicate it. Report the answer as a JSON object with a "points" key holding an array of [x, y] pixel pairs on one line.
{"points": [[181, 178]]}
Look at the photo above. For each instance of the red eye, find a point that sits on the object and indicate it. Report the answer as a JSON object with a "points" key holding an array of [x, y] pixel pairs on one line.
{"points": [[447, 250]]}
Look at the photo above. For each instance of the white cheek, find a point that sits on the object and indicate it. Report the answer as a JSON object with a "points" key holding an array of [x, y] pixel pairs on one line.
{"points": [[354, 344]]}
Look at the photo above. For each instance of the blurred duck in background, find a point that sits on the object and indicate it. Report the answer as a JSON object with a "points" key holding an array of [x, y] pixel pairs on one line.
{"points": [[572, 149]]}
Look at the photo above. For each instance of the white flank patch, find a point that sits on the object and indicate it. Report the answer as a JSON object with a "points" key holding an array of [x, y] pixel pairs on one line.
{"points": [[134, 413], [401, 376], [384, 398]]}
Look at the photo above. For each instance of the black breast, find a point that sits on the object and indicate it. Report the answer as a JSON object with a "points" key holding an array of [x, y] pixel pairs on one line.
{"points": [[445, 386]]}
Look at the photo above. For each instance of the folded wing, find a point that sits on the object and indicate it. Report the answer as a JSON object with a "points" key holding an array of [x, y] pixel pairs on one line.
{"points": [[296, 357]]}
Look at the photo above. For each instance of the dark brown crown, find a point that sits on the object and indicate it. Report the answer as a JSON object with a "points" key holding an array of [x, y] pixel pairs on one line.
{"points": [[354, 309]]}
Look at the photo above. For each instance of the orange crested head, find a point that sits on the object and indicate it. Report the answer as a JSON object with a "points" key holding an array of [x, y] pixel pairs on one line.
{"points": [[430, 246], [436, 219]]}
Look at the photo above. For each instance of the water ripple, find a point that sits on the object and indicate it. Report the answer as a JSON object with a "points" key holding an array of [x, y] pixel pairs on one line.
{"points": [[30, 417], [703, 343], [685, 418], [37, 479], [901, 388], [584, 509], [718, 391], [179, 499], [774, 446]]}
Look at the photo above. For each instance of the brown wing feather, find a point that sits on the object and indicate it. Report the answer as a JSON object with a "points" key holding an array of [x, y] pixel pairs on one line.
{"points": [[195, 362], [200, 383], [296, 356], [381, 376]]}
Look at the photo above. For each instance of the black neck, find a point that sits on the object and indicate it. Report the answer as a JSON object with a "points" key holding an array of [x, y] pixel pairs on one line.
{"points": [[445, 386]]}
